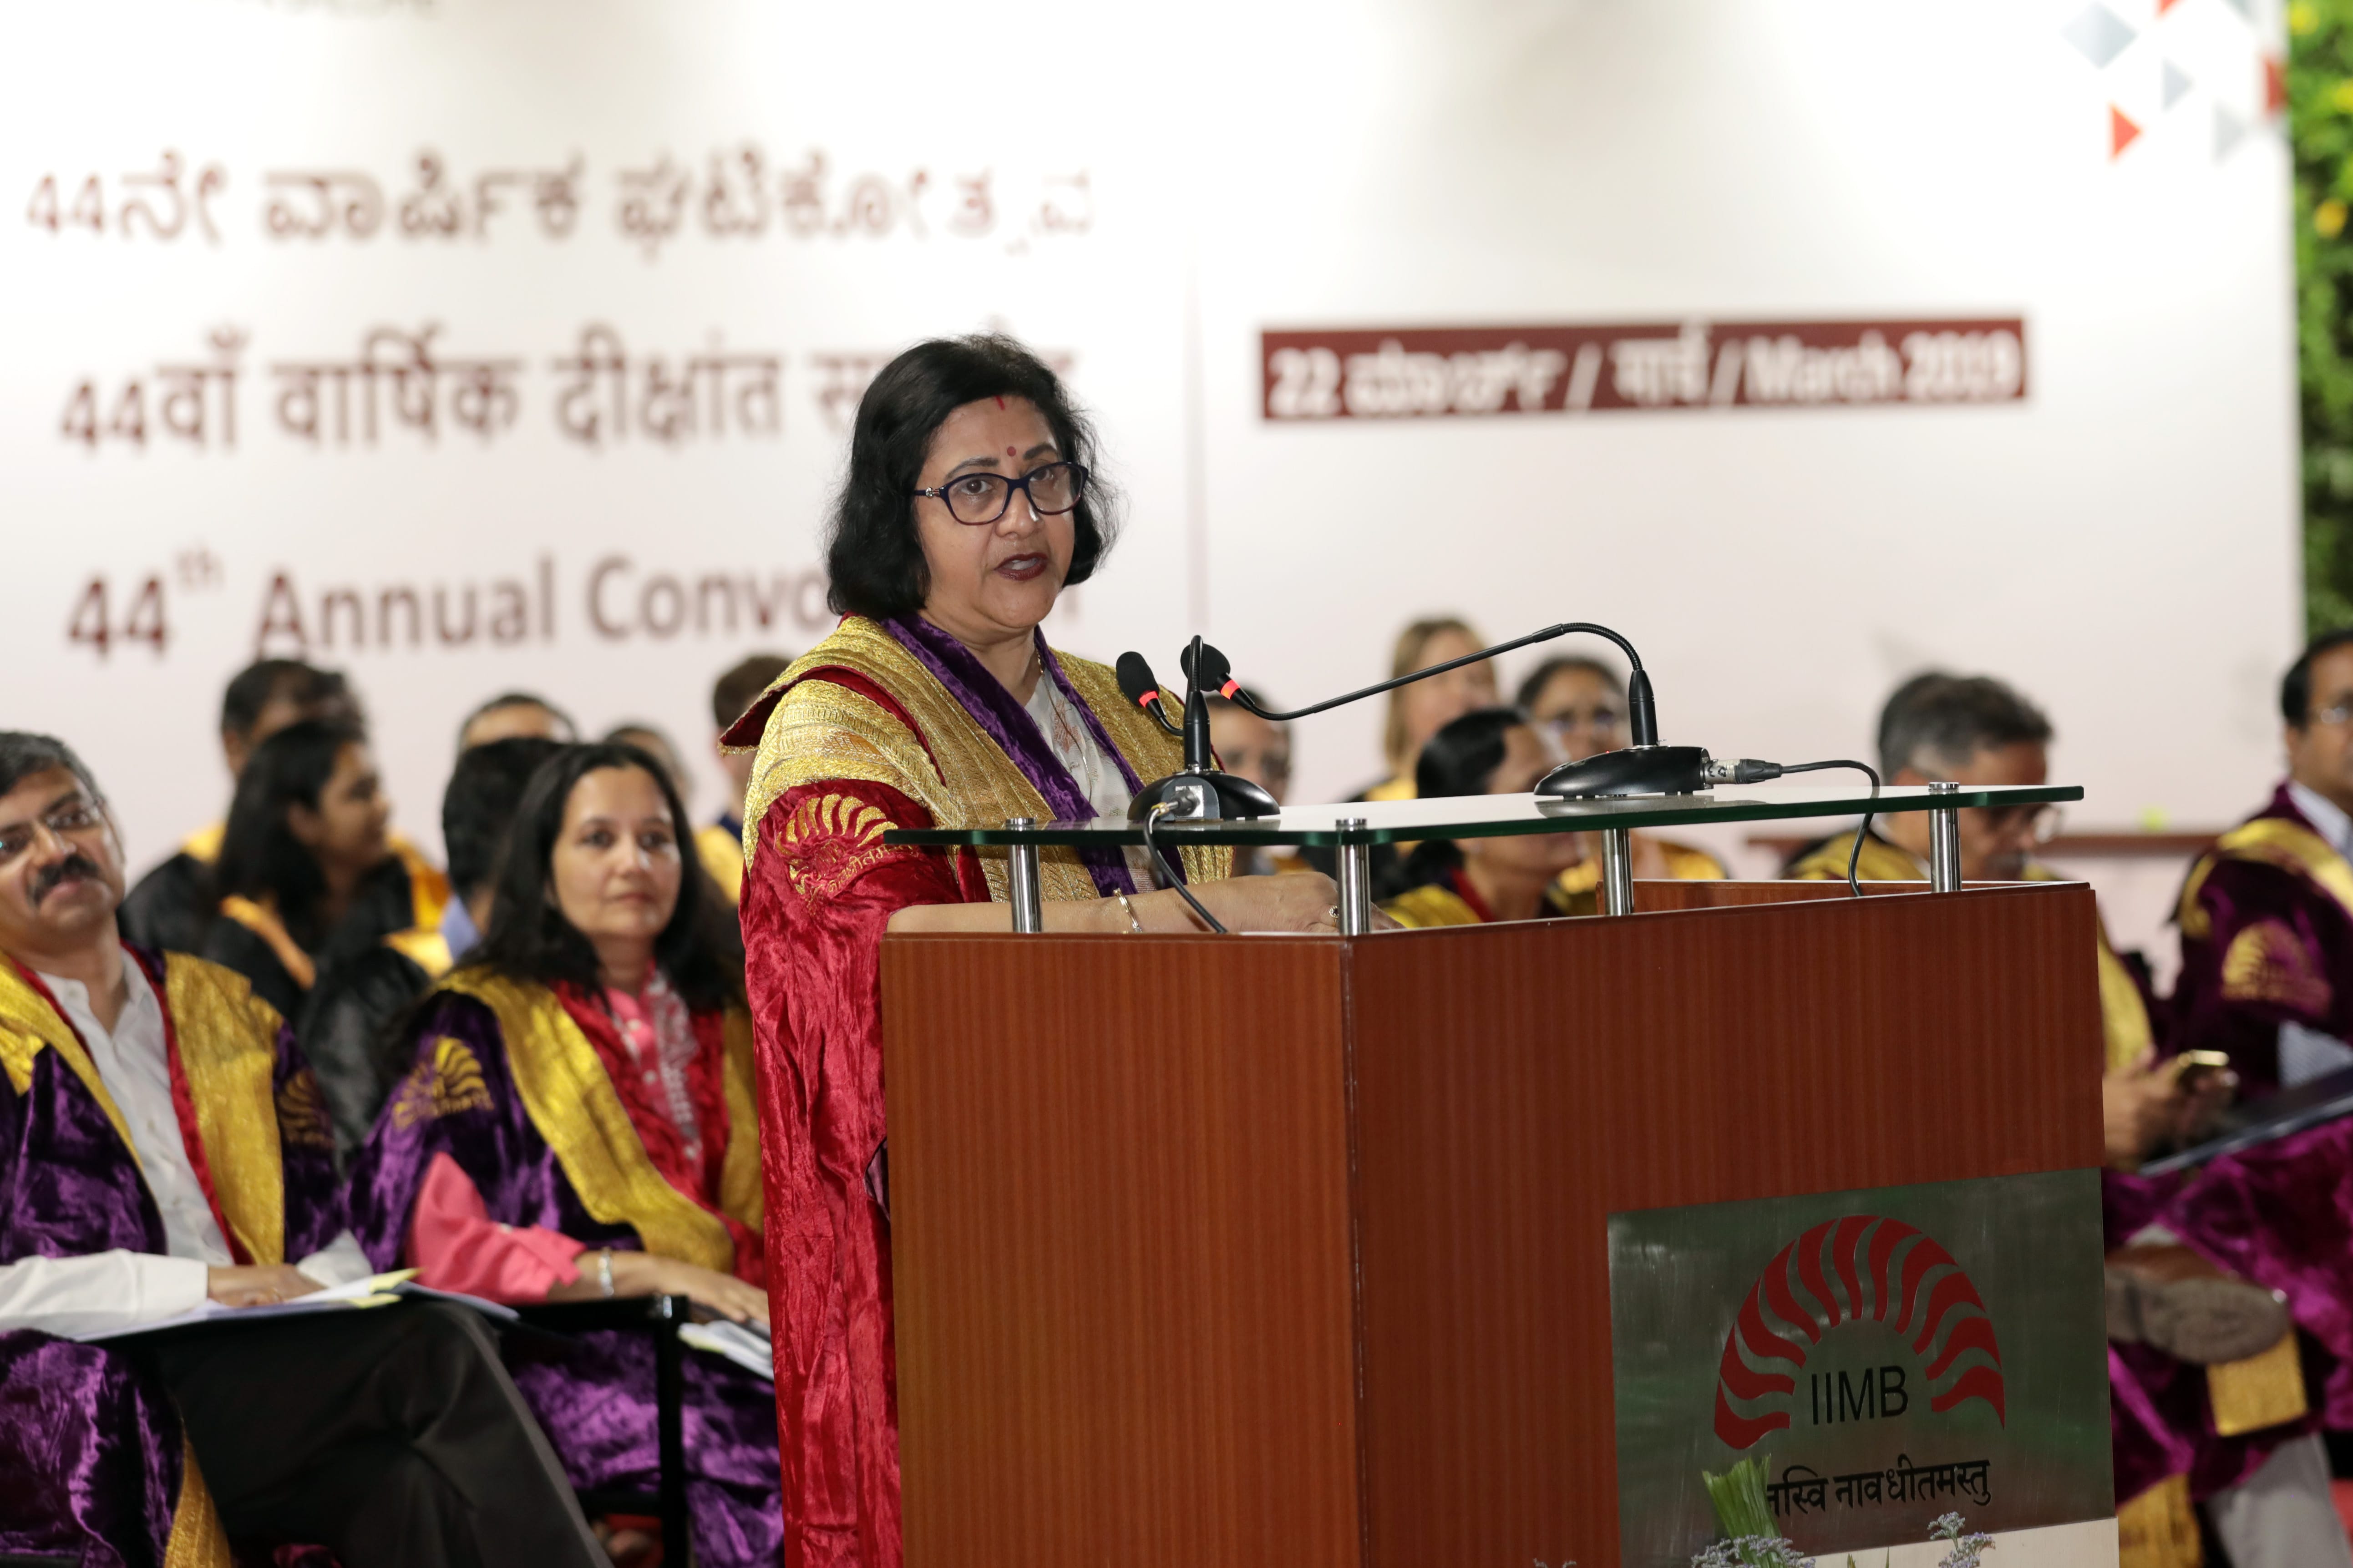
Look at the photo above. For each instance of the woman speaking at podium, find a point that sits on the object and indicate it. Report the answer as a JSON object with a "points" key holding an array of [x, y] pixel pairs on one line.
{"points": [[969, 505]]}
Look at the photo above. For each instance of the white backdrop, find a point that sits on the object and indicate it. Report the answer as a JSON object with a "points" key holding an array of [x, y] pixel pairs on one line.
{"points": [[1144, 193]]}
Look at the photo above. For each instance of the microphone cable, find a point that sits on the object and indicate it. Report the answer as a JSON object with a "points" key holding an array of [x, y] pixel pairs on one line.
{"points": [[1747, 770], [1169, 869]]}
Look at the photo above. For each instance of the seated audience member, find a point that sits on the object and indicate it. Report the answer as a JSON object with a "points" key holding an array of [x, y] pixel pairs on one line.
{"points": [[2266, 915], [168, 907], [1416, 712], [512, 715], [2266, 1490], [1581, 703], [307, 875], [161, 1146], [347, 1024], [720, 844], [654, 743], [578, 1122], [1470, 881], [1259, 749]]}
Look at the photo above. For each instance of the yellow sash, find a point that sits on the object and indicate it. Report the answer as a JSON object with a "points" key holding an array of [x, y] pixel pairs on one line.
{"points": [[1881, 862], [573, 1103], [228, 1049], [721, 854]]}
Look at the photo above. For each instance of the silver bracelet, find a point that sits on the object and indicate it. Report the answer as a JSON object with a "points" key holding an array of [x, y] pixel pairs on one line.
{"points": [[604, 1271], [1134, 925]]}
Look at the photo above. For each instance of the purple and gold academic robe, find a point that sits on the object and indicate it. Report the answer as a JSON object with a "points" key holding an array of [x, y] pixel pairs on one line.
{"points": [[2161, 1411], [92, 1459], [2266, 921], [506, 1083]]}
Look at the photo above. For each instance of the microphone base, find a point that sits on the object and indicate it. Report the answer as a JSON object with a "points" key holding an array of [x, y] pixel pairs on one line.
{"points": [[1632, 771], [1204, 796]]}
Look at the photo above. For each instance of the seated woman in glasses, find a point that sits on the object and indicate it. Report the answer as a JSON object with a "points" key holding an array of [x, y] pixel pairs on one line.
{"points": [[968, 508], [1581, 705], [578, 1124], [1471, 882]]}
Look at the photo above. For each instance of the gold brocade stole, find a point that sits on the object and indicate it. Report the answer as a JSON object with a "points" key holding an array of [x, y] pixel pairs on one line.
{"points": [[822, 730], [2159, 1528], [228, 1050], [2267, 841], [1684, 864], [1881, 862], [721, 854], [573, 1103], [1431, 904]]}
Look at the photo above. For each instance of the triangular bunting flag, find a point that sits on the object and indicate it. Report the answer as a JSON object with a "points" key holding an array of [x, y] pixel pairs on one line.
{"points": [[2177, 84], [2228, 129], [2275, 86], [2121, 132]]}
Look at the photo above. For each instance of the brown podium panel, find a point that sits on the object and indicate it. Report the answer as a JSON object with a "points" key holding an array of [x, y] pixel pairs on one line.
{"points": [[1295, 1249]]}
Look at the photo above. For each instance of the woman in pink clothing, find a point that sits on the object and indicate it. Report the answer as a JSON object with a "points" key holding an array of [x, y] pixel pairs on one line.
{"points": [[578, 1123]]}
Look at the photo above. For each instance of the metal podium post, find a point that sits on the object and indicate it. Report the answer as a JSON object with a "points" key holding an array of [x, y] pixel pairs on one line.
{"points": [[1944, 841], [1355, 868], [1023, 885], [1617, 871]]}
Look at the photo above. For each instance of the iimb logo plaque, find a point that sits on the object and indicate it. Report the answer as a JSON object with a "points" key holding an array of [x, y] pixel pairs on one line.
{"points": [[1898, 1354]]}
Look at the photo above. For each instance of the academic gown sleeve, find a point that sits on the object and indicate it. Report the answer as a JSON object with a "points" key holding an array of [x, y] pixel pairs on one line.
{"points": [[819, 889]]}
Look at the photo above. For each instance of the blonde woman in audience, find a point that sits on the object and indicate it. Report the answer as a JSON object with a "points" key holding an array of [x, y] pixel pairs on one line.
{"points": [[1579, 704], [1419, 712]]}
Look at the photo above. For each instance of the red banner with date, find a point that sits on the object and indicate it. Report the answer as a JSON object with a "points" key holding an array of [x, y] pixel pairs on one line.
{"points": [[1407, 373]]}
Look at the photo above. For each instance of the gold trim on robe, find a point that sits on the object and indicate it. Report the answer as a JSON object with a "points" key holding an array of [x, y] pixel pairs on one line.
{"points": [[204, 844], [1684, 864], [28, 1026], [426, 949], [2267, 841], [2261, 1390], [573, 1105], [2159, 1528], [819, 730], [198, 1539], [428, 886], [739, 1193], [721, 854], [263, 921], [228, 1049]]}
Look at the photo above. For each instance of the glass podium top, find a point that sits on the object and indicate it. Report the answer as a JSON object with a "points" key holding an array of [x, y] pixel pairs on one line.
{"points": [[1496, 816]]}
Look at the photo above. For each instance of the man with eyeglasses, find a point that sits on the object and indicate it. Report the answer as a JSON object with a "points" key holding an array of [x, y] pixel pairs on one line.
{"points": [[2189, 1340], [2266, 915], [163, 1151]]}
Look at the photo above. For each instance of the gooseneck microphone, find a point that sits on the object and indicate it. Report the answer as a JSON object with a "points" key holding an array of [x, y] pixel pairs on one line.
{"points": [[1646, 767], [1203, 790]]}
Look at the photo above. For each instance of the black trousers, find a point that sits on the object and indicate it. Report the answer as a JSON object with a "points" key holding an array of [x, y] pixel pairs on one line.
{"points": [[391, 1436]]}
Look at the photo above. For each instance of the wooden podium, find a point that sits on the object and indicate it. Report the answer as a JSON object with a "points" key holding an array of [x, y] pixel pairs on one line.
{"points": [[1292, 1250]]}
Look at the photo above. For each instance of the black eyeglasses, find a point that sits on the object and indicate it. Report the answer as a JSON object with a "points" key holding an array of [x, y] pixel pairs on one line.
{"points": [[978, 499]]}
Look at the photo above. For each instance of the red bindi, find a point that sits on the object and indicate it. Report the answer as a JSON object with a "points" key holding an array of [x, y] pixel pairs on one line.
{"points": [[1010, 452]]}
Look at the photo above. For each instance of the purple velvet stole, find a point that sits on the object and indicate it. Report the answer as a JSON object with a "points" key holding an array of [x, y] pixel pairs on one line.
{"points": [[1017, 734]]}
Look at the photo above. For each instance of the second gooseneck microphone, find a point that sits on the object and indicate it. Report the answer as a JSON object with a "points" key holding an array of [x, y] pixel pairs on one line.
{"points": [[1202, 790]]}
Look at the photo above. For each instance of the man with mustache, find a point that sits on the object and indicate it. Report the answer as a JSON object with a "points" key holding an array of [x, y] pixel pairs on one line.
{"points": [[163, 1144]]}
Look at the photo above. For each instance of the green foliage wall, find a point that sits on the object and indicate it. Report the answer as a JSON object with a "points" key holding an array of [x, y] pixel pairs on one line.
{"points": [[2320, 127]]}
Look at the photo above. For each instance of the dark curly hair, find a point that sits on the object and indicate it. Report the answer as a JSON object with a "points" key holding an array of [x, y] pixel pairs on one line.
{"points": [[700, 951], [1460, 759], [873, 556]]}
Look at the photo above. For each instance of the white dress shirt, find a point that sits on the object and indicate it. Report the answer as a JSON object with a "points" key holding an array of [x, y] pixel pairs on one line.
{"points": [[118, 1289], [2306, 1054]]}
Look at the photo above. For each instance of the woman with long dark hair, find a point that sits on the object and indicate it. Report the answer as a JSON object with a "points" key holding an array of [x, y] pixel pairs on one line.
{"points": [[1470, 881], [972, 500], [308, 871], [578, 1123]]}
